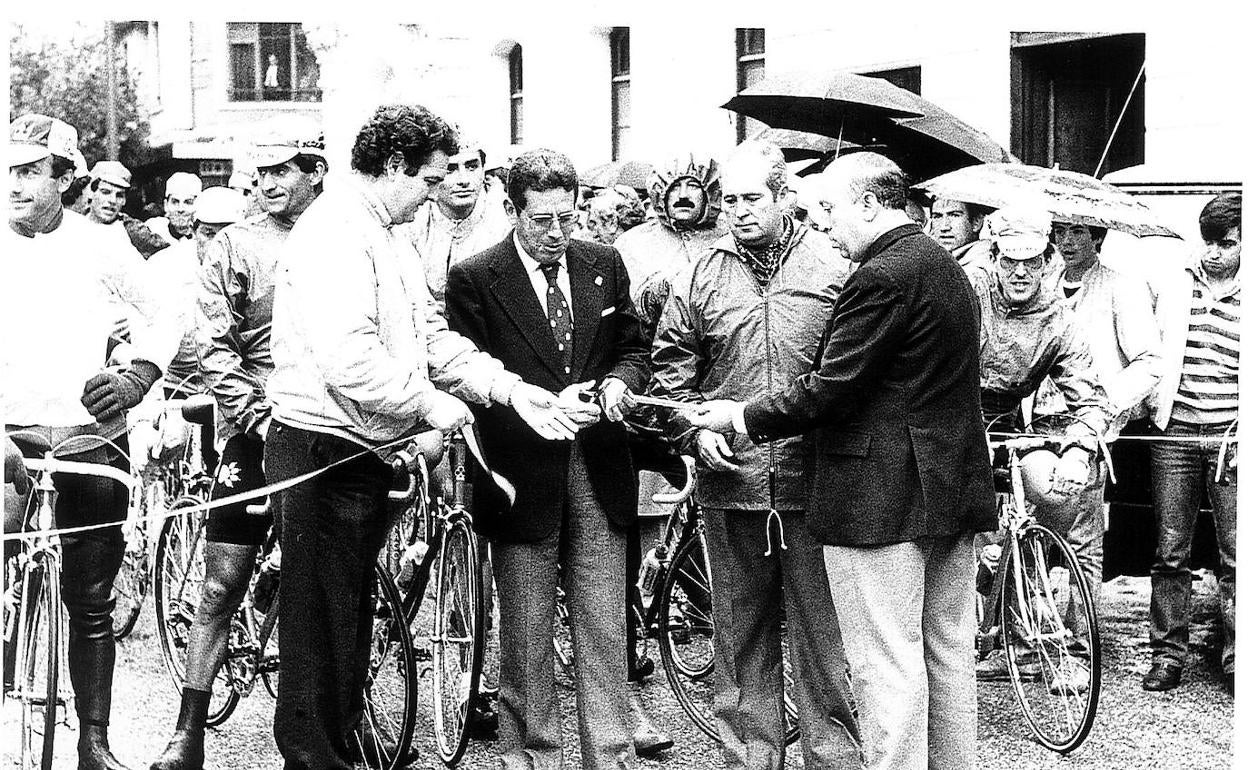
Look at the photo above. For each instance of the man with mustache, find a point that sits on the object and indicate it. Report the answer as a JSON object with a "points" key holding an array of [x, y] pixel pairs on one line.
{"points": [[177, 224]]}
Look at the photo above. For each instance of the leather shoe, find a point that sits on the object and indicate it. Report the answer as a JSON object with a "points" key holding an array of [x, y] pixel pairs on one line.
{"points": [[1164, 675], [649, 743], [482, 720], [184, 752]]}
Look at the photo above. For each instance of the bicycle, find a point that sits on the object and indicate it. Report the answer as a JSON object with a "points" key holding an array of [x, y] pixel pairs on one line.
{"points": [[1042, 614], [437, 541], [37, 618], [167, 476], [250, 652]]}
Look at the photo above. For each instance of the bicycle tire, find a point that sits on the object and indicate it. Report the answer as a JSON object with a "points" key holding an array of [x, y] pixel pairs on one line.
{"points": [[686, 628], [390, 691], [561, 641], [458, 648], [179, 568], [1041, 641], [40, 659]]}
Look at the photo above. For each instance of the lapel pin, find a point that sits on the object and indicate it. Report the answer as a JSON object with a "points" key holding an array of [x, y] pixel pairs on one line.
{"points": [[598, 280]]}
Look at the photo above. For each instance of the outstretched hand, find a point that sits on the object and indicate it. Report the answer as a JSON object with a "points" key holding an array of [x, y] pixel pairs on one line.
{"points": [[715, 415], [540, 409]]}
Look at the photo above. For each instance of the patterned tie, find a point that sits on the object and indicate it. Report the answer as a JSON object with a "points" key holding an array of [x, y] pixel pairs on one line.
{"points": [[560, 315]]}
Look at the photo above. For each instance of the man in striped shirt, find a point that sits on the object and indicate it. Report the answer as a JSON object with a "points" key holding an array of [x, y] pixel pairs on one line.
{"points": [[1196, 403]]}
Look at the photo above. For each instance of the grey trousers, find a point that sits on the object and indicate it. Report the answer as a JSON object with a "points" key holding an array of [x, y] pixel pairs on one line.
{"points": [[751, 593], [908, 615], [592, 551]]}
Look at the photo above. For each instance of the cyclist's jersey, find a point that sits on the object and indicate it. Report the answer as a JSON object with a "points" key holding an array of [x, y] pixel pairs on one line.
{"points": [[1021, 345], [61, 294]]}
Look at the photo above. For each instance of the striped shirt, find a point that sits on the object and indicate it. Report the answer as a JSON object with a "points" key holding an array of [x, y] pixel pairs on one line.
{"points": [[1209, 386]]}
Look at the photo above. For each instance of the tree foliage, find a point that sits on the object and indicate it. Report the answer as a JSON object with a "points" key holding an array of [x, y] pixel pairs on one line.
{"points": [[66, 78]]}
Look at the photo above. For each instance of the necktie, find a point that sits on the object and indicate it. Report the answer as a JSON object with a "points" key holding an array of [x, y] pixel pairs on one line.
{"points": [[560, 315]]}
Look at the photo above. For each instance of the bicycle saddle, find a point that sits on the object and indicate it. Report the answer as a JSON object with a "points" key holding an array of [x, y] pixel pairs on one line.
{"points": [[199, 409]]}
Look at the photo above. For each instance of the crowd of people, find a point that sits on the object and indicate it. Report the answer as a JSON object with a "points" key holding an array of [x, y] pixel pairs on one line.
{"points": [[842, 352]]}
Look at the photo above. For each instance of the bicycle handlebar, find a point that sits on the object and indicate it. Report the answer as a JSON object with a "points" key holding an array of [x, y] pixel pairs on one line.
{"points": [[53, 465], [691, 479]]}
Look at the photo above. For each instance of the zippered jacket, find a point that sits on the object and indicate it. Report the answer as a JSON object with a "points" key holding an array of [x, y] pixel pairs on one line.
{"points": [[724, 336]]}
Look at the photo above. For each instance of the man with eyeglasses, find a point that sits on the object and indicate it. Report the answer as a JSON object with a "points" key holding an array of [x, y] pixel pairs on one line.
{"points": [[1027, 335], [557, 312]]}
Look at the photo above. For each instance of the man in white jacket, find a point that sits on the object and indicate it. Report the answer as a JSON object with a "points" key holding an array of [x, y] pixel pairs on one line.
{"points": [[362, 358]]}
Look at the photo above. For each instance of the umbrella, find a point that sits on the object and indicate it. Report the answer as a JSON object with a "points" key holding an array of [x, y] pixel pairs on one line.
{"points": [[1068, 195], [630, 173], [802, 145], [923, 138]]}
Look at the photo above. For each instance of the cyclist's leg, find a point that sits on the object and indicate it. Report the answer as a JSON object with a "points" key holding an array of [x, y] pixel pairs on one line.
{"points": [[232, 539], [1081, 522], [820, 687], [91, 561]]}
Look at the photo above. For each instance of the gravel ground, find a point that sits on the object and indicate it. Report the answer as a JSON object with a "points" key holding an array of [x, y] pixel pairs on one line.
{"points": [[1187, 728]]}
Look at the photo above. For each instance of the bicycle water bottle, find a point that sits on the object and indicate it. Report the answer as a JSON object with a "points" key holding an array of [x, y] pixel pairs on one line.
{"points": [[649, 572], [413, 556], [266, 584]]}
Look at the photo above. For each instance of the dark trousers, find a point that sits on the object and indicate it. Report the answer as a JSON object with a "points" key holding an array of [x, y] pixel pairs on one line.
{"points": [[90, 563], [333, 527]]}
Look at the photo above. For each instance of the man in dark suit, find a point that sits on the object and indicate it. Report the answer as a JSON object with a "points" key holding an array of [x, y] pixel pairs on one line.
{"points": [[557, 312], [901, 474]]}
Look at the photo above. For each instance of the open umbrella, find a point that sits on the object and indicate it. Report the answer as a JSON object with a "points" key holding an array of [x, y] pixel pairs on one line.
{"points": [[923, 138], [630, 173], [802, 145], [1068, 195]]}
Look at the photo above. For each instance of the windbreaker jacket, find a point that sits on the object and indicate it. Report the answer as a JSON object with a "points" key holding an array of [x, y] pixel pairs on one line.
{"points": [[1114, 313], [233, 335], [724, 336], [358, 344], [442, 242], [893, 406], [1021, 345]]}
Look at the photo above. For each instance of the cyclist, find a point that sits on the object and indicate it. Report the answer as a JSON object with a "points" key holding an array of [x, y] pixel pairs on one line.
{"points": [[62, 269], [1025, 336], [232, 338]]}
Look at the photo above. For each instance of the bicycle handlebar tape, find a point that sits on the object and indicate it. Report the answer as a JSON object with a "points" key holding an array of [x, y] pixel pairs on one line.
{"points": [[112, 391]]}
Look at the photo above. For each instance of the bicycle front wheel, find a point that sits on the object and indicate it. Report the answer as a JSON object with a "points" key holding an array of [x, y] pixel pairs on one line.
{"points": [[131, 584], [177, 589], [686, 633], [457, 638], [1051, 640], [385, 732], [39, 653]]}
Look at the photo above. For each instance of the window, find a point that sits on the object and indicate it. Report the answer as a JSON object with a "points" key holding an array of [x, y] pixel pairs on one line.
{"points": [[620, 85], [515, 75], [271, 62], [214, 173], [909, 78], [751, 47], [1072, 92]]}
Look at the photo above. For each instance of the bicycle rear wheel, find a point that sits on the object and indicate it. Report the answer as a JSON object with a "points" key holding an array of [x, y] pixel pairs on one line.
{"points": [[39, 660], [459, 622], [687, 640], [131, 584], [389, 720], [1051, 640], [179, 584]]}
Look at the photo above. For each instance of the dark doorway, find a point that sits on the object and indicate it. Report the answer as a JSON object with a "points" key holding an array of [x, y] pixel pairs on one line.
{"points": [[1068, 91]]}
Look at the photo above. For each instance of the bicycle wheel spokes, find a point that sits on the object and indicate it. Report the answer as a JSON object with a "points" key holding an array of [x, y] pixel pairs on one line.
{"points": [[389, 718], [686, 633], [457, 639], [1051, 639], [565, 659], [131, 584], [39, 689]]}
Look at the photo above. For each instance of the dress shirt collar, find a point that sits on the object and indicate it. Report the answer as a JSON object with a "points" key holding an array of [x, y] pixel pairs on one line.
{"points": [[531, 264]]}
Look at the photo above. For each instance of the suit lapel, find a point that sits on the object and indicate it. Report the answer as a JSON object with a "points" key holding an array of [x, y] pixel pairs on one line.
{"points": [[587, 290], [514, 292]]}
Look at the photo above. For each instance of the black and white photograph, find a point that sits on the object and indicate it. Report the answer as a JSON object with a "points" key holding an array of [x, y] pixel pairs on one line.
{"points": [[549, 385]]}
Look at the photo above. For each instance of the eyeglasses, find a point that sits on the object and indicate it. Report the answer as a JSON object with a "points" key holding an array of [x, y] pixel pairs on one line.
{"points": [[1009, 264], [543, 222]]}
